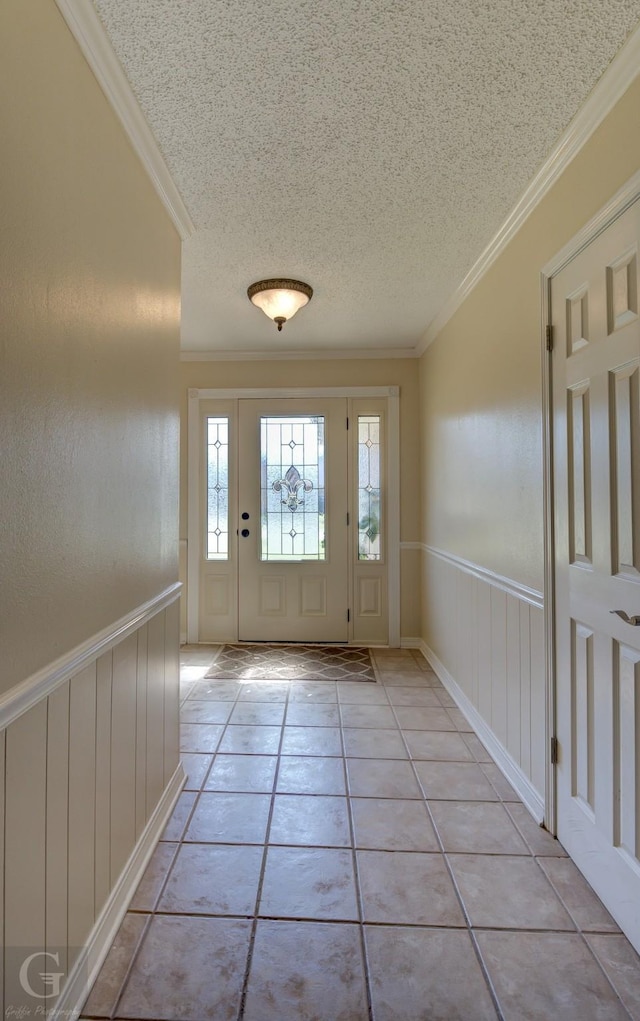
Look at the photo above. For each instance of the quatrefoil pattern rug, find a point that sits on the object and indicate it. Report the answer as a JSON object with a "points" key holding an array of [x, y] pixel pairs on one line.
{"points": [[292, 663]]}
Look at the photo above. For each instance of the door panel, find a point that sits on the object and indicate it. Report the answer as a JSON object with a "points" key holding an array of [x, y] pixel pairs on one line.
{"points": [[293, 559], [596, 407]]}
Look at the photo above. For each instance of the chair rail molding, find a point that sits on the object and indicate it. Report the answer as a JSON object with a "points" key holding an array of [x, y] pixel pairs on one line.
{"points": [[512, 588]]}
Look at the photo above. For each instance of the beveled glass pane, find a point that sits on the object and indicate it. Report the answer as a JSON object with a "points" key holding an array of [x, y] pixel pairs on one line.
{"points": [[292, 487], [217, 488], [369, 503]]}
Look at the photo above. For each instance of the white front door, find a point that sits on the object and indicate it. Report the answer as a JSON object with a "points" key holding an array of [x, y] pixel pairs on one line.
{"points": [[293, 505], [596, 409], [293, 512]]}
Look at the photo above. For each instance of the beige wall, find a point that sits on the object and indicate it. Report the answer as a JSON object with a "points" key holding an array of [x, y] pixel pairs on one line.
{"points": [[90, 270], [358, 372], [481, 379]]}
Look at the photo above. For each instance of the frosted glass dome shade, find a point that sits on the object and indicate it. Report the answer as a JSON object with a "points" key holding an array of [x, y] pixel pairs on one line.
{"points": [[280, 299]]}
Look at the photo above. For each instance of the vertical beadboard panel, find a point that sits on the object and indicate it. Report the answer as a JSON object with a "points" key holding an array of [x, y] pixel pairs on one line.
{"points": [[141, 730], [484, 651], [513, 677], [104, 668], [155, 712], [2, 788], [82, 787], [499, 664], [463, 632], [525, 688], [538, 700], [57, 823], [171, 691], [123, 753], [25, 844]]}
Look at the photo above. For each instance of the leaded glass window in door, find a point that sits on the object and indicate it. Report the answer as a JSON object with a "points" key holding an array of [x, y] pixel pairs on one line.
{"points": [[369, 503], [217, 488], [292, 487]]}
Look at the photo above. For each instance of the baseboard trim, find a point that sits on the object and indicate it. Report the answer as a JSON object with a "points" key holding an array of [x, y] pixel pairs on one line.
{"points": [[507, 765], [512, 588], [29, 692], [91, 959]]}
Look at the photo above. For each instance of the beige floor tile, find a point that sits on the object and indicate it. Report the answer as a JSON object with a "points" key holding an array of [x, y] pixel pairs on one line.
{"points": [[150, 886], [622, 967], [196, 766], [107, 987], [250, 740], [408, 695], [249, 774], [206, 712], [305, 971], [499, 782], [310, 820], [504, 892], [358, 693], [311, 741], [459, 720], [434, 744], [229, 819], [188, 969], [258, 713], [213, 879], [309, 882], [368, 743], [392, 825], [407, 889], [264, 691], [548, 975], [311, 774], [423, 718], [386, 778], [200, 737], [539, 840], [454, 781], [476, 748], [315, 714], [403, 678], [313, 691], [445, 699], [587, 910], [476, 827], [419, 974], [180, 816], [380, 716], [218, 691]]}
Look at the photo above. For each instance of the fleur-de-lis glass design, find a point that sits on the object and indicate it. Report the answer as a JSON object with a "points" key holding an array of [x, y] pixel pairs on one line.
{"points": [[292, 486]]}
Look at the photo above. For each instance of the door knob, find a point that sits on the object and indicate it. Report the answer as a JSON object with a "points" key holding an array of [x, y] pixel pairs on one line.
{"points": [[244, 533], [634, 621]]}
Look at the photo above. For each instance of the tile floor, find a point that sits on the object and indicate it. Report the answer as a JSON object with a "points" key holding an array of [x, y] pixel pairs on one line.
{"points": [[348, 852]]}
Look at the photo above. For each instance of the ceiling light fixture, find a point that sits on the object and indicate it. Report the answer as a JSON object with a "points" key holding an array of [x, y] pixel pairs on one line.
{"points": [[280, 299]]}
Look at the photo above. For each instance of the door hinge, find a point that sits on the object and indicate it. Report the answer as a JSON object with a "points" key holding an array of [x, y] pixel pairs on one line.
{"points": [[549, 336], [348, 616], [347, 422], [554, 751], [347, 519]]}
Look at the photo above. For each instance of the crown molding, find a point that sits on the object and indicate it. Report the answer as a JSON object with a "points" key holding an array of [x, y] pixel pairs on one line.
{"points": [[89, 33], [298, 356], [617, 78]]}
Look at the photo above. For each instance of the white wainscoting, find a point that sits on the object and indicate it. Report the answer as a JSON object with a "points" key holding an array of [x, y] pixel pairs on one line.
{"points": [[89, 772], [484, 636]]}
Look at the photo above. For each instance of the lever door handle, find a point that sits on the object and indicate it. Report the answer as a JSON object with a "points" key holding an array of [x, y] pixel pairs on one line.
{"points": [[634, 621]]}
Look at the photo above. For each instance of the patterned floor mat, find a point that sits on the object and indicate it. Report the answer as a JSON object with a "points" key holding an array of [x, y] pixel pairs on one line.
{"points": [[292, 663]]}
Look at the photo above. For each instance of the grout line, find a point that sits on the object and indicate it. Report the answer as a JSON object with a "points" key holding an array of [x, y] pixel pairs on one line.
{"points": [[263, 868]]}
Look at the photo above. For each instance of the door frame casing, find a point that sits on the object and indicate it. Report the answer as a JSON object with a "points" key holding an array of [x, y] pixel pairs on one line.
{"points": [[615, 207], [194, 529]]}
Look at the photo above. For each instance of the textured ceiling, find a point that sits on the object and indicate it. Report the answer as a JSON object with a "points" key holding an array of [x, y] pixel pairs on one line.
{"points": [[369, 147]]}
